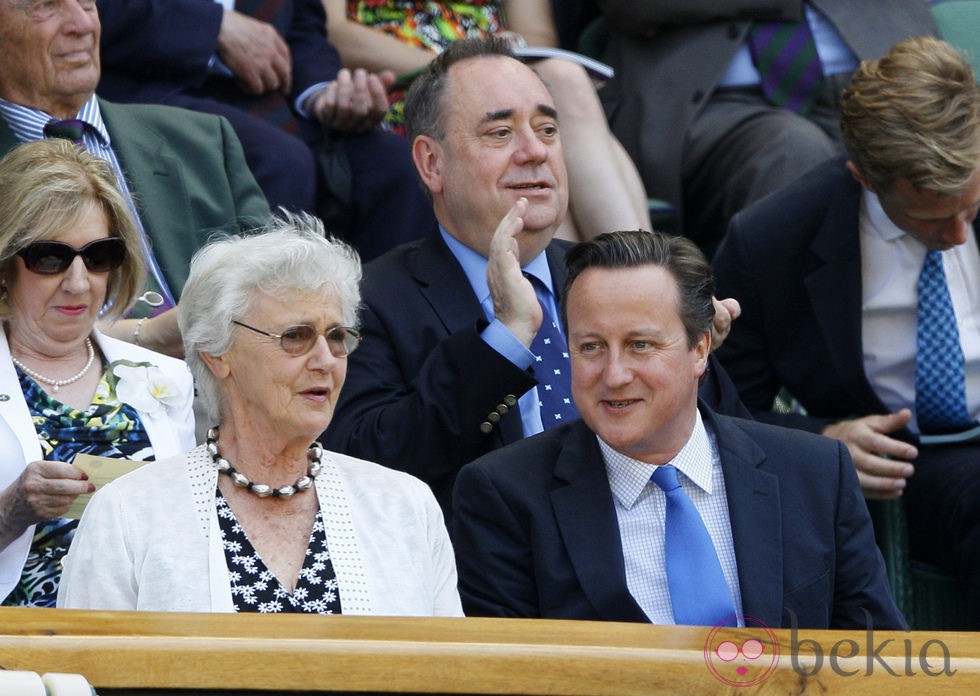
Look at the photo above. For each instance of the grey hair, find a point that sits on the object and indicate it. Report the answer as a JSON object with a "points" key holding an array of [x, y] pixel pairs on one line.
{"points": [[290, 255]]}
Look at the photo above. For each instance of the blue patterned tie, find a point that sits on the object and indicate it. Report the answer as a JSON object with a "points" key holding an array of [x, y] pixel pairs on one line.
{"points": [[71, 129], [698, 590], [940, 385], [785, 54], [552, 368]]}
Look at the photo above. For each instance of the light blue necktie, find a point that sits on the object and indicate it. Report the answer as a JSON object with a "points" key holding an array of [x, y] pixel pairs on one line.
{"points": [[698, 591], [940, 385]]}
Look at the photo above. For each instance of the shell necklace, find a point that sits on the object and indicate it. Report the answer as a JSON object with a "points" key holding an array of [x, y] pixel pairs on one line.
{"points": [[57, 384], [263, 490]]}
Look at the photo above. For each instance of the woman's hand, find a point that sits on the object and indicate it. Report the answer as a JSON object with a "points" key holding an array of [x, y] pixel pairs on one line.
{"points": [[44, 490]]}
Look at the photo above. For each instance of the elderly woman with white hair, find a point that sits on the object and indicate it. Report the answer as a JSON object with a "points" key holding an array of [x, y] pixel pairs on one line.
{"points": [[261, 518]]}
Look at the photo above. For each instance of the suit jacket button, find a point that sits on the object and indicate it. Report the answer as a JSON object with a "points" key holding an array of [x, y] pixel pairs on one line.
{"points": [[502, 409], [493, 416], [510, 400], [486, 428]]}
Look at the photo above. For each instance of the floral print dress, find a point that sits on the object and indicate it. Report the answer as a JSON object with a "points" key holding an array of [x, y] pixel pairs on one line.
{"points": [[253, 586], [107, 428], [431, 25]]}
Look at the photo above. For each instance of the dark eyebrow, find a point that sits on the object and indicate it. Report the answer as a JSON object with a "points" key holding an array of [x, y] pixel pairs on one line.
{"points": [[548, 111], [501, 115], [504, 114]]}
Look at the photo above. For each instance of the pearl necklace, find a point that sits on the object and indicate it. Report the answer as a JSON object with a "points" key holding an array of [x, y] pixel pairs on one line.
{"points": [[314, 455], [58, 383]]}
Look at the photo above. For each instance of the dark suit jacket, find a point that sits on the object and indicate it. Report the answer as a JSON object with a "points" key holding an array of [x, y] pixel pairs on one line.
{"points": [[536, 534], [154, 48], [670, 54], [187, 175], [423, 381], [793, 261], [424, 392]]}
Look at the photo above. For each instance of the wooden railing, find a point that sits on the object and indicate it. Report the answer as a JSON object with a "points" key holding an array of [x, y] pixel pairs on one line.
{"points": [[132, 653]]}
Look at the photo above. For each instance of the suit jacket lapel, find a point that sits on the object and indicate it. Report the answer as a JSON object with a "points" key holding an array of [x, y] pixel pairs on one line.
{"points": [[154, 173], [444, 284], [447, 290], [753, 507], [586, 519], [834, 288]]}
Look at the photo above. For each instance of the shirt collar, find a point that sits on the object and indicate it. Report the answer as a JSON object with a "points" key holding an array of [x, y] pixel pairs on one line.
{"points": [[475, 267], [28, 124], [878, 220], [629, 477]]}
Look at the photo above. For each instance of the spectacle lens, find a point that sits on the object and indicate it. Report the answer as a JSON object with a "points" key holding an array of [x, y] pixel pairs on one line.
{"points": [[52, 258], [300, 339]]}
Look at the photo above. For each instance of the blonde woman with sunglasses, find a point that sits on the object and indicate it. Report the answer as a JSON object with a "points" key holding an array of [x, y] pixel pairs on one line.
{"points": [[69, 256], [261, 518]]}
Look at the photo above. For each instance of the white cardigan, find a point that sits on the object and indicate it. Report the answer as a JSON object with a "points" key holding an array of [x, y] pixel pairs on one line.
{"points": [[169, 433], [150, 541]]}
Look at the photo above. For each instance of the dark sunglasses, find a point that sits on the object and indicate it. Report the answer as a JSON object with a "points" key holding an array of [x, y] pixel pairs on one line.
{"points": [[52, 258], [300, 339]]}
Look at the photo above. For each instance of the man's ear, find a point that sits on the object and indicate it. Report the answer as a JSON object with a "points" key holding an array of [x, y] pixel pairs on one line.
{"points": [[858, 176], [702, 349], [428, 157]]}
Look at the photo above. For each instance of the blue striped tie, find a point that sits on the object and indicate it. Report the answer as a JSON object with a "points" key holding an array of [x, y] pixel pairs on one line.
{"points": [[785, 54]]}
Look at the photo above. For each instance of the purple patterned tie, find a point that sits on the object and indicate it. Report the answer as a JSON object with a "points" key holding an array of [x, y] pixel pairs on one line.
{"points": [[70, 129], [786, 56]]}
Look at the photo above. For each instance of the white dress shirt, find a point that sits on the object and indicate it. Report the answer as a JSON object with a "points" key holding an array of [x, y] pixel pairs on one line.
{"points": [[891, 261]]}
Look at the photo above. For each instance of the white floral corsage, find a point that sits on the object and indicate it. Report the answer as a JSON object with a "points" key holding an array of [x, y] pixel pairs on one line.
{"points": [[144, 386]]}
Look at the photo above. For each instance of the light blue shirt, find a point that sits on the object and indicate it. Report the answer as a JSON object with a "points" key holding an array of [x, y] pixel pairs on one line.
{"points": [[498, 336], [835, 55]]}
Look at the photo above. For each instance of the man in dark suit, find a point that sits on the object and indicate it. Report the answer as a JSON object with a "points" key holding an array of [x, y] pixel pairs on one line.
{"points": [[573, 523], [308, 127], [443, 374], [828, 270], [687, 105], [183, 172]]}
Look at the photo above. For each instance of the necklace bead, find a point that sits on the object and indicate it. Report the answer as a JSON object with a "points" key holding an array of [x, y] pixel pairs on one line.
{"points": [[56, 384], [314, 456]]}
